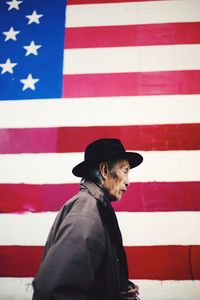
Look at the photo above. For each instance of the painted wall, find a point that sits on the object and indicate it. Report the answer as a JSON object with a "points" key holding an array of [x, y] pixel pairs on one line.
{"points": [[131, 70]]}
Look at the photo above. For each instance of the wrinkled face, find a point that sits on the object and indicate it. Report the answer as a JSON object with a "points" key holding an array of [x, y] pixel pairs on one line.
{"points": [[117, 181]]}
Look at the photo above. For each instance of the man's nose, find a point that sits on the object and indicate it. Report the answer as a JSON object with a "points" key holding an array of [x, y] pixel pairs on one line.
{"points": [[127, 181]]}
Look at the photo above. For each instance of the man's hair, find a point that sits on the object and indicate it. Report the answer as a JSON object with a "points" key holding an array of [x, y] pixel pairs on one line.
{"points": [[94, 173]]}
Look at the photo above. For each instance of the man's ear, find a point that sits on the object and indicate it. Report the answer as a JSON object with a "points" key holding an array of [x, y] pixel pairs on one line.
{"points": [[103, 168]]}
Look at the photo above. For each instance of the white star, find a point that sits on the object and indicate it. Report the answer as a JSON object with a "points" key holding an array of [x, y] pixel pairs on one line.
{"points": [[14, 4], [7, 67], [29, 82], [11, 34], [32, 48], [34, 18]]}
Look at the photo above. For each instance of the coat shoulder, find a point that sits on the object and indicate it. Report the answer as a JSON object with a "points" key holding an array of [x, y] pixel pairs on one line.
{"points": [[82, 204]]}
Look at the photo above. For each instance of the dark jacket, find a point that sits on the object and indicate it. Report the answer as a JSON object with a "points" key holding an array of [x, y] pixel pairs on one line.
{"points": [[81, 261]]}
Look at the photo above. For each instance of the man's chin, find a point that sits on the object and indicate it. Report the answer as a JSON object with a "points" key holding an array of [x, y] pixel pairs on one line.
{"points": [[116, 199]]}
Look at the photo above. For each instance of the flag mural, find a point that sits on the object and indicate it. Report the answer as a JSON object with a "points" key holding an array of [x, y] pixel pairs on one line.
{"points": [[77, 71]]}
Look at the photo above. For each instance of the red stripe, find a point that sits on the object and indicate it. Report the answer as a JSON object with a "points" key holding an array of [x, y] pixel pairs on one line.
{"points": [[35, 198], [74, 2], [160, 196], [132, 84], [140, 197], [146, 137], [19, 261], [153, 262], [133, 35], [164, 262]]}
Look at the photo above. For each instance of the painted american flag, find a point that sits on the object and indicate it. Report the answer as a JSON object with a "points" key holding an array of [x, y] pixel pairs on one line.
{"points": [[130, 70]]}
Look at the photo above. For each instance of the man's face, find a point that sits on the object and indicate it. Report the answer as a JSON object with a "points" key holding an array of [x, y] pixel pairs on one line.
{"points": [[117, 181]]}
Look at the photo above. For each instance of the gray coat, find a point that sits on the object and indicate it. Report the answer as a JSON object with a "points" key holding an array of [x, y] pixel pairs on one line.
{"points": [[80, 261]]}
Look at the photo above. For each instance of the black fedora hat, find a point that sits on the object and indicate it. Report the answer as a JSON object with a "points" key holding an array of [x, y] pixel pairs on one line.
{"points": [[105, 149]]}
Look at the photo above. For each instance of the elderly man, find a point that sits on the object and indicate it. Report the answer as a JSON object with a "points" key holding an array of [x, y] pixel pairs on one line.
{"points": [[84, 258]]}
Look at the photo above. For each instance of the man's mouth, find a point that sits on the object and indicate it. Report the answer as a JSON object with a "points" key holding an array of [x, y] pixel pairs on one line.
{"points": [[123, 191]]}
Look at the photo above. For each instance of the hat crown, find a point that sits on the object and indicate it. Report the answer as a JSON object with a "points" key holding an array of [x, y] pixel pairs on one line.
{"points": [[103, 147]]}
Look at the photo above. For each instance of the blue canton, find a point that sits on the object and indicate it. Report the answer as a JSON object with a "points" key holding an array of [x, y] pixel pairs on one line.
{"points": [[31, 49]]}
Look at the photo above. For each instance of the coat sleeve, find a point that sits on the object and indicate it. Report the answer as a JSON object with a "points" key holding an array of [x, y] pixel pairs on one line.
{"points": [[69, 267]]}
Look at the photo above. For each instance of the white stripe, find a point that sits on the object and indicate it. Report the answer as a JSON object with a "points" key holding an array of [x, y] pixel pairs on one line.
{"points": [[20, 289], [141, 110], [159, 228], [131, 59], [133, 13], [25, 229], [169, 289], [16, 288], [57, 167], [138, 229]]}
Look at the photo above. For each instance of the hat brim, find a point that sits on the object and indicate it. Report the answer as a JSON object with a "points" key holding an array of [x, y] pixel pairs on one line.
{"points": [[134, 159]]}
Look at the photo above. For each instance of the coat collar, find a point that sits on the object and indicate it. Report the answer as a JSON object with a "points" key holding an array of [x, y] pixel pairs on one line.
{"points": [[95, 190]]}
